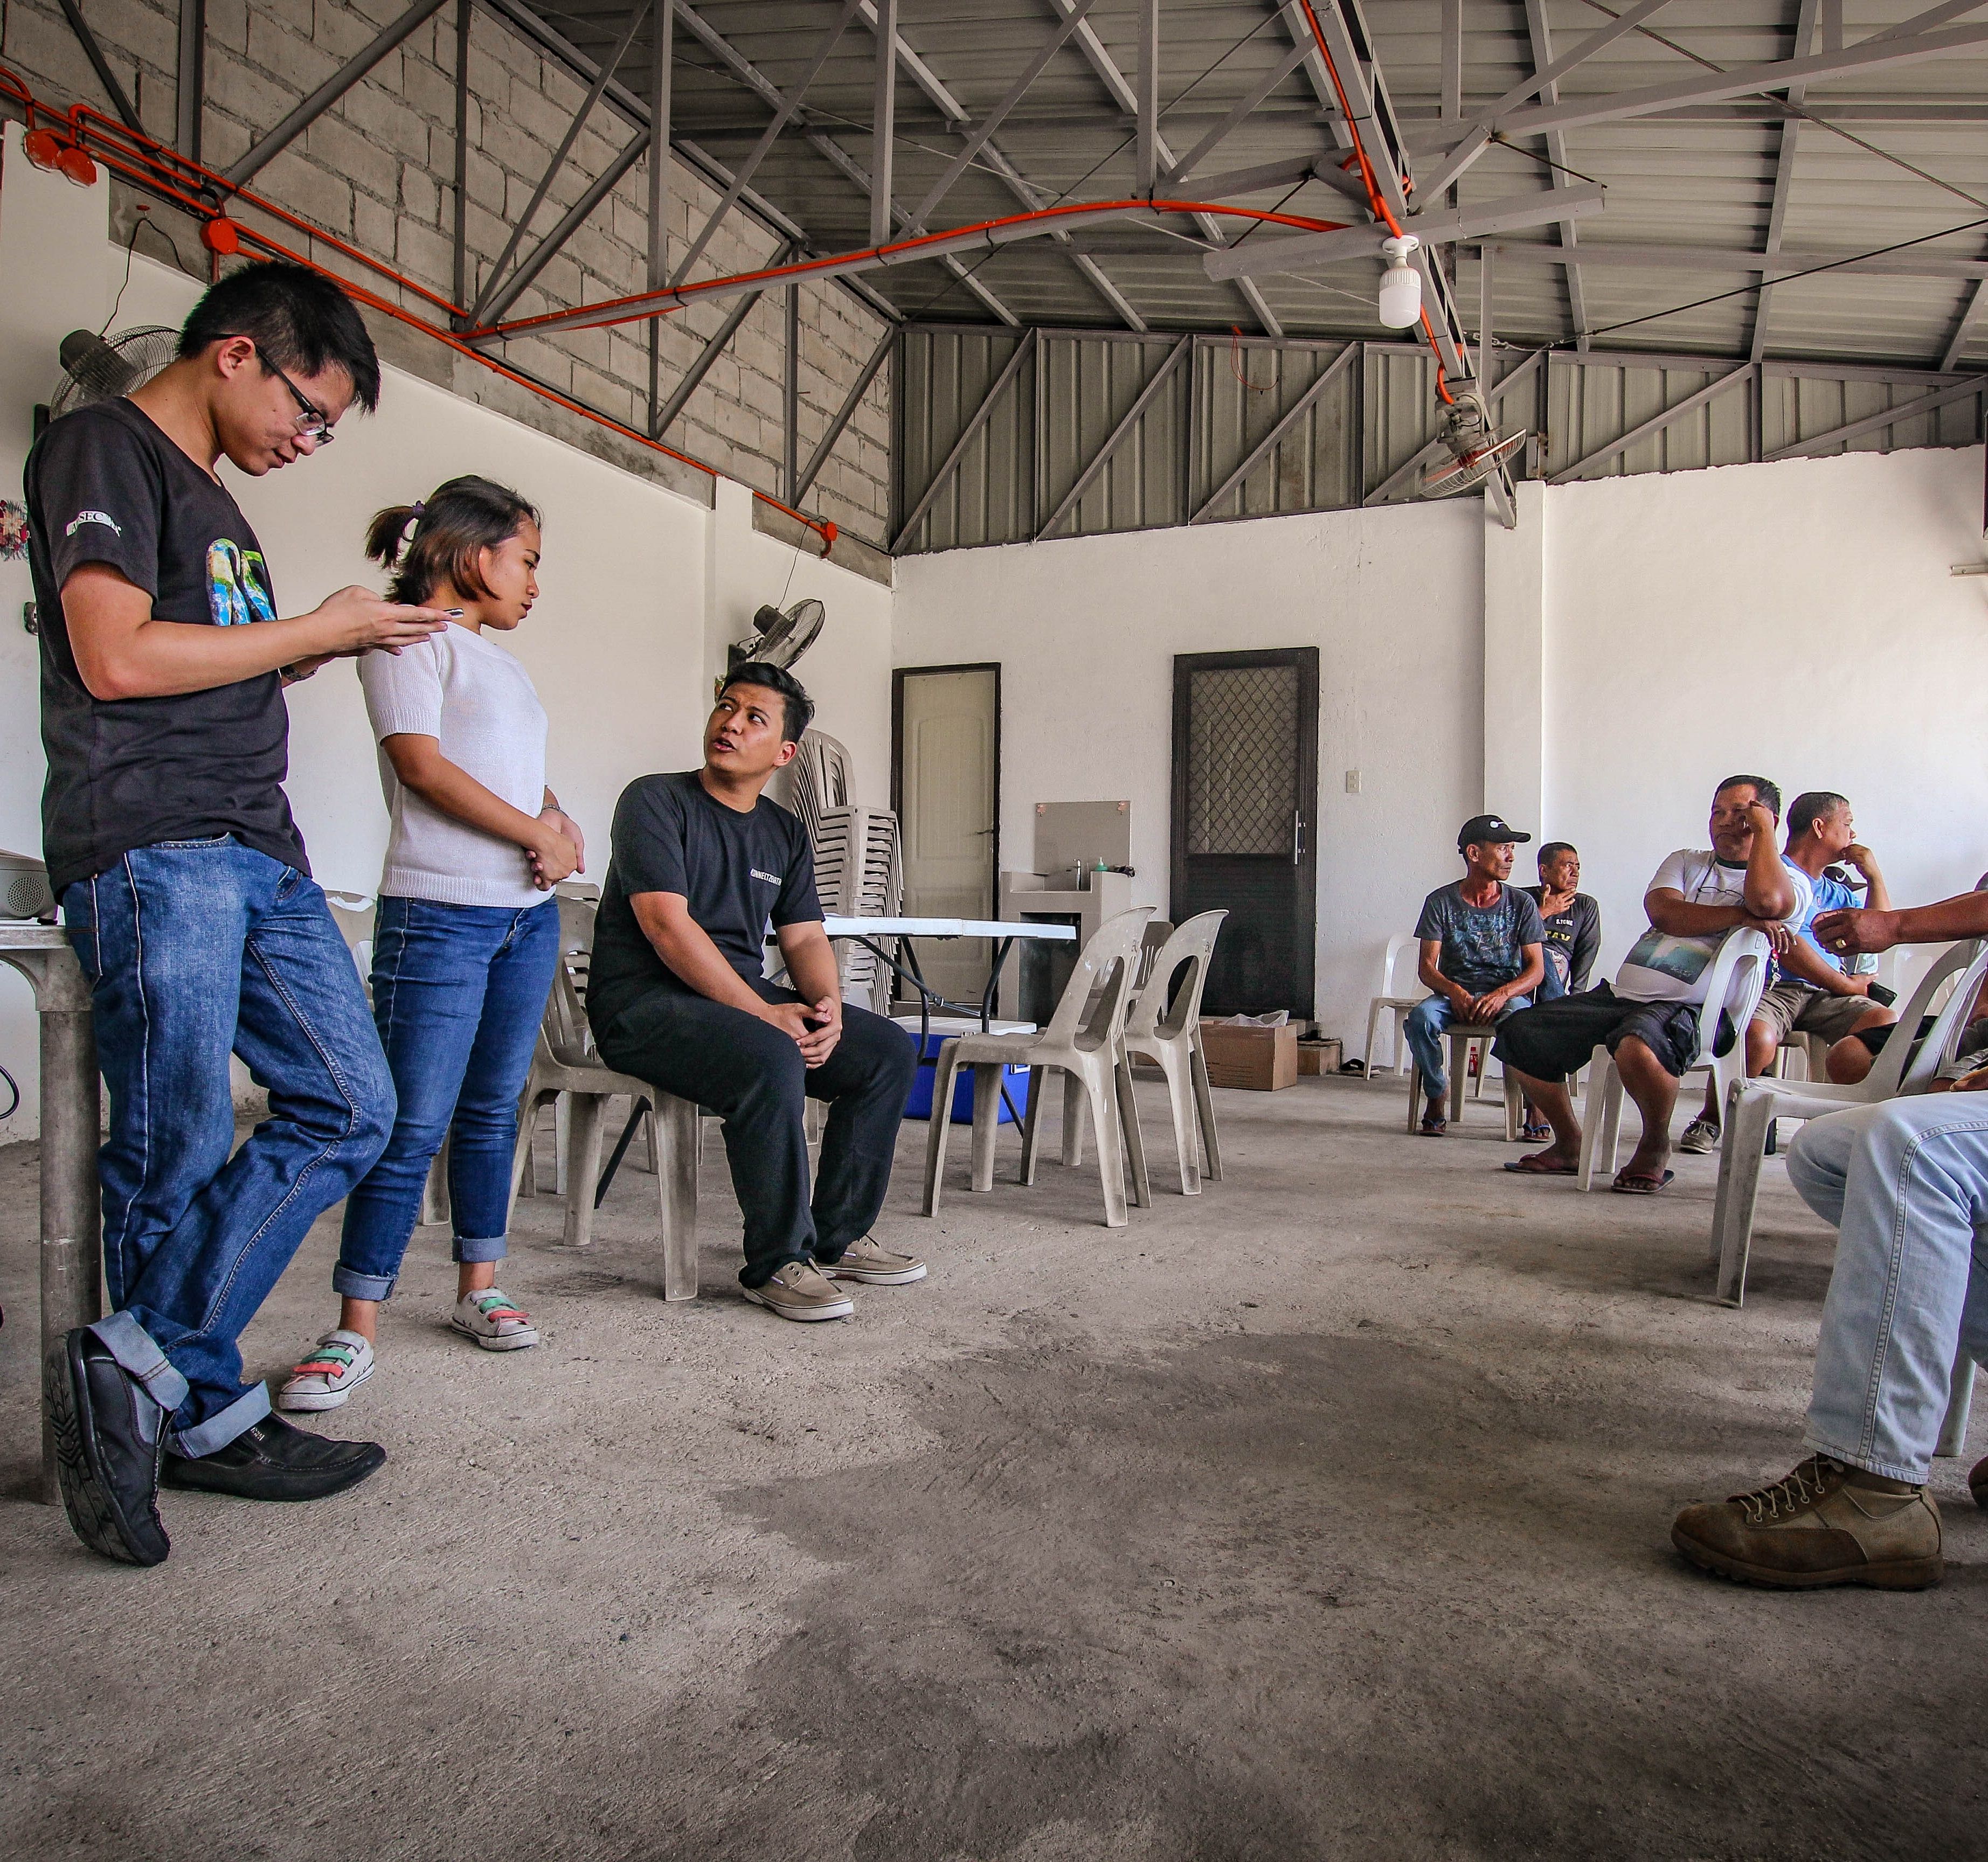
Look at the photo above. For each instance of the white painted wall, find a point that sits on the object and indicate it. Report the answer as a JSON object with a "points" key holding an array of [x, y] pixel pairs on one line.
{"points": [[1086, 630], [640, 585], [1796, 619]]}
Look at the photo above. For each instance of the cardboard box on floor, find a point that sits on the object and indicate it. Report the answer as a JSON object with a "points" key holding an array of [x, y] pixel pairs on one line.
{"points": [[1258, 1059], [1318, 1057]]}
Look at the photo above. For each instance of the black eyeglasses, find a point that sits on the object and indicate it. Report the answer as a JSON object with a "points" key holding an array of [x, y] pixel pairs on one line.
{"points": [[312, 423]]}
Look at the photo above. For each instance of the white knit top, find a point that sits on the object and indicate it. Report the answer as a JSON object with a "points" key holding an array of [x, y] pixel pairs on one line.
{"points": [[480, 703]]}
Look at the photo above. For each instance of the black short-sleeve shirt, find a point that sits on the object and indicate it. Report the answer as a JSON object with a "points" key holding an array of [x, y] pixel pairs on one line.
{"points": [[104, 485], [738, 871]]}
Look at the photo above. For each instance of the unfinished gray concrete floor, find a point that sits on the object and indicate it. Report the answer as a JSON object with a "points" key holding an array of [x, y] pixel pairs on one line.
{"points": [[1323, 1515]]}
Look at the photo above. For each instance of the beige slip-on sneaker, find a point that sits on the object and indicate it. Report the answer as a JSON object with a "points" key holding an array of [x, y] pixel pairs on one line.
{"points": [[800, 1290], [868, 1260]]}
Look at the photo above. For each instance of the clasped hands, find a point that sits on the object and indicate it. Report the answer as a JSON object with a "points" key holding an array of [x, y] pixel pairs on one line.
{"points": [[816, 1029]]}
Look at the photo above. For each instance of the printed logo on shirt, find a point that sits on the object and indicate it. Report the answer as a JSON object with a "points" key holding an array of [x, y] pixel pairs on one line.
{"points": [[76, 523], [237, 584], [772, 879]]}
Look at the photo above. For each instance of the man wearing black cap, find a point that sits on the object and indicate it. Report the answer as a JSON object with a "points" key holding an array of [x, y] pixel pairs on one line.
{"points": [[1481, 952]]}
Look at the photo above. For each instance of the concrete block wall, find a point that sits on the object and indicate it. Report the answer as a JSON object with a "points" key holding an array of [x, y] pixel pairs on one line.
{"points": [[378, 169]]}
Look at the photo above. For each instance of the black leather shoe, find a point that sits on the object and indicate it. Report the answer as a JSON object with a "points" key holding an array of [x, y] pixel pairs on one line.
{"points": [[274, 1461], [108, 1435]]}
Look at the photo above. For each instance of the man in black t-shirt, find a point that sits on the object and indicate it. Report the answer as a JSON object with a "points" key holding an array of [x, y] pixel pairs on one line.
{"points": [[677, 996], [186, 893]]}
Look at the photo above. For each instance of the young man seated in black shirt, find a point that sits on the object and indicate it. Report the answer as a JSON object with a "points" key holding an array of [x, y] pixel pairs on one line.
{"points": [[678, 995]]}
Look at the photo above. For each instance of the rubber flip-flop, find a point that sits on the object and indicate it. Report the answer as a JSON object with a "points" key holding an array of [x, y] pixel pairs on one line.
{"points": [[1531, 1166], [1534, 1134], [1434, 1128], [1627, 1185]]}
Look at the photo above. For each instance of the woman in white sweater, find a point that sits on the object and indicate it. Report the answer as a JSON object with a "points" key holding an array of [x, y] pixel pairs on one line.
{"points": [[466, 933]]}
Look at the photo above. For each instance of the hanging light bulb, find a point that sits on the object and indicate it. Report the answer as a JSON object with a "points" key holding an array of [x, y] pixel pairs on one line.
{"points": [[1401, 283]]}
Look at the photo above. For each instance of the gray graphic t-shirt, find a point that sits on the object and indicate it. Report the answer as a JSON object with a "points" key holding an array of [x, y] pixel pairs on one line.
{"points": [[1481, 944]]}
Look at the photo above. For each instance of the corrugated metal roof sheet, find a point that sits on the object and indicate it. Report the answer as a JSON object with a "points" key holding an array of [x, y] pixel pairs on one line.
{"points": [[1699, 174]]}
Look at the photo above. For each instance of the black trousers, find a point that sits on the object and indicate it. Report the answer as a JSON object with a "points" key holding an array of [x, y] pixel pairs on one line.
{"points": [[752, 1076]]}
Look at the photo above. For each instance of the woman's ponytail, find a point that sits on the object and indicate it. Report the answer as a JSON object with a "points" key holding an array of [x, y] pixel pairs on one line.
{"points": [[441, 537]]}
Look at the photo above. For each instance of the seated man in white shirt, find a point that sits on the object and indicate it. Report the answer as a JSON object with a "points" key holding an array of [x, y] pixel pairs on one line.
{"points": [[1649, 1019]]}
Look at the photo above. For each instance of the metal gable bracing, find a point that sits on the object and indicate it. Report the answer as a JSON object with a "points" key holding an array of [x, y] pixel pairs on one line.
{"points": [[1102, 380], [1696, 190]]}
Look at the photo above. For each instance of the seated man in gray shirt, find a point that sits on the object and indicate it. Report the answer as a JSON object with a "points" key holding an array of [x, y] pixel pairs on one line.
{"points": [[1481, 942]]}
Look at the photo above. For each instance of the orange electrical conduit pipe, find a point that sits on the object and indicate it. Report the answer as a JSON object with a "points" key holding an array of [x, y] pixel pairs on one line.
{"points": [[164, 172]]}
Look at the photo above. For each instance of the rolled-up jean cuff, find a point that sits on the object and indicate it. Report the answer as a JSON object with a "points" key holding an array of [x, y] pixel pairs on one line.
{"points": [[484, 1248], [348, 1283], [133, 1347], [218, 1432], [1891, 1471]]}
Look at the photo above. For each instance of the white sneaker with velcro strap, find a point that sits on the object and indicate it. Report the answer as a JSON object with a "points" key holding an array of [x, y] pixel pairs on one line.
{"points": [[494, 1321], [337, 1365]]}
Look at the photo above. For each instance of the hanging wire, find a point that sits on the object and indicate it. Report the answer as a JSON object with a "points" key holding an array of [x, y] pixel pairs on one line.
{"points": [[1235, 363], [1787, 278], [1559, 167], [1111, 154], [1797, 110]]}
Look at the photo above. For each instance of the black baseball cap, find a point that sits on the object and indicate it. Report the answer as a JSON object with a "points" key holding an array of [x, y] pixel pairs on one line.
{"points": [[1487, 830]]}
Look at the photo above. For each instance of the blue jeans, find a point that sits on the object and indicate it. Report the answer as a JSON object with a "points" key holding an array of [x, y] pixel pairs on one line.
{"points": [[1906, 1182], [1553, 983], [458, 992], [195, 949], [1425, 1024]]}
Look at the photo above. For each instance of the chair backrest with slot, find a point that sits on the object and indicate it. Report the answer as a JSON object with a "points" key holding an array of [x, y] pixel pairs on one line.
{"points": [[1965, 965], [1390, 983], [1107, 965], [1738, 976], [1162, 1011]]}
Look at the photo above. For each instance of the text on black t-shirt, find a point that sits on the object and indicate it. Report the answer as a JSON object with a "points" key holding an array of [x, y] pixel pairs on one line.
{"points": [[104, 485], [737, 870]]}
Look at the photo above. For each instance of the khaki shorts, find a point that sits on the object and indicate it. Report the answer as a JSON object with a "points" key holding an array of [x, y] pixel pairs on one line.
{"points": [[1792, 1008]]}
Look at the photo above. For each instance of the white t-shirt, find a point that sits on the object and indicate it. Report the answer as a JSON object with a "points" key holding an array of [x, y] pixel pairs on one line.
{"points": [[480, 703], [1661, 969]]}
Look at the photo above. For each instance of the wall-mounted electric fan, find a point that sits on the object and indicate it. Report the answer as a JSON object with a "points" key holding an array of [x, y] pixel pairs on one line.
{"points": [[779, 637], [101, 368], [1476, 449]]}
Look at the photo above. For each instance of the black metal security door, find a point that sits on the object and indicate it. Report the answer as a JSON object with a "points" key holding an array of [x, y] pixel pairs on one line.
{"points": [[1245, 794]]}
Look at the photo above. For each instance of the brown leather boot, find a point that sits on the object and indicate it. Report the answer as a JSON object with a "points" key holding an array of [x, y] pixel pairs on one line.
{"points": [[1814, 1528]]}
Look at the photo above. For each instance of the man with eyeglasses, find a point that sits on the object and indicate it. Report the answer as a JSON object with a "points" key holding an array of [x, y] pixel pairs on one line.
{"points": [[187, 895]]}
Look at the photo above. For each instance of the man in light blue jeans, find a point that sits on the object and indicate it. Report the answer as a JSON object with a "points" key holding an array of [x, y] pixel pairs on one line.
{"points": [[1481, 941], [187, 896], [1906, 1181]]}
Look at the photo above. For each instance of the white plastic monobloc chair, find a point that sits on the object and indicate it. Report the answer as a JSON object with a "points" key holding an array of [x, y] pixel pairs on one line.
{"points": [[1738, 974], [565, 1063], [1462, 1036], [1164, 1024], [1084, 1040], [1752, 1106], [1392, 999]]}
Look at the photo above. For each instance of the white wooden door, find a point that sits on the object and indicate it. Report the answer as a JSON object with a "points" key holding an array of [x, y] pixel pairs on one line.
{"points": [[949, 743]]}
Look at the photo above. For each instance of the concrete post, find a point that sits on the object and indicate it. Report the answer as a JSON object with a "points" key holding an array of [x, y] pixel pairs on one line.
{"points": [[71, 1215], [1515, 599]]}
